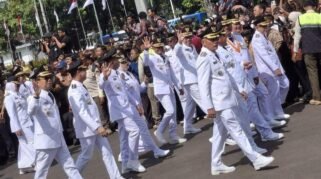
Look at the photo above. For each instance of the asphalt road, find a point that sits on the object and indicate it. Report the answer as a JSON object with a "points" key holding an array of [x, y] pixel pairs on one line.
{"points": [[298, 156]]}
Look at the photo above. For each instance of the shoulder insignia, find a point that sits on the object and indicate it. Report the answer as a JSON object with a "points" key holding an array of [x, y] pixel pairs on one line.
{"points": [[73, 86], [203, 54]]}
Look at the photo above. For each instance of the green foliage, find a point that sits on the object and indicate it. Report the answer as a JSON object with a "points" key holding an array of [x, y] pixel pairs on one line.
{"points": [[39, 63], [25, 9], [191, 6]]}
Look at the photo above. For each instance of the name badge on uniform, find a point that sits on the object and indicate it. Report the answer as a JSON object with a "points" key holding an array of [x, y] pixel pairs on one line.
{"points": [[118, 87], [230, 65], [115, 78], [89, 101], [47, 112]]}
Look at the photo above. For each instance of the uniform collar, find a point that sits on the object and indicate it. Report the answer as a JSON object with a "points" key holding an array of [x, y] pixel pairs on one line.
{"points": [[204, 49], [75, 82]]}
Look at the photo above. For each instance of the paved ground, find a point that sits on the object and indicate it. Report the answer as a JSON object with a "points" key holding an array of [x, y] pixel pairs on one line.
{"points": [[298, 156]]}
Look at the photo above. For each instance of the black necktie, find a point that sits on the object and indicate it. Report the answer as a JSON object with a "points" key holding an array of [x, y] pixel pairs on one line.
{"points": [[51, 97], [85, 87], [217, 56], [163, 57]]}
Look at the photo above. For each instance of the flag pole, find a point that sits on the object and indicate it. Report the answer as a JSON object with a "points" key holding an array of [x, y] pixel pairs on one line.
{"points": [[44, 15], [82, 25], [173, 9], [37, 16], [123, 3], [98, 24], [9, 41], [111, 17]]}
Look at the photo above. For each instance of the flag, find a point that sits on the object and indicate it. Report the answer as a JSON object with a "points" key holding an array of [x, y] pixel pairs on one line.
{"points": [[73, 5], [6, 28], [19, 25], [103, 2], [56, 15], [87, 3]]}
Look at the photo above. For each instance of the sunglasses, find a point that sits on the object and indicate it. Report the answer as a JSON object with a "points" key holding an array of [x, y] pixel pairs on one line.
{"points": [[125, 62]]}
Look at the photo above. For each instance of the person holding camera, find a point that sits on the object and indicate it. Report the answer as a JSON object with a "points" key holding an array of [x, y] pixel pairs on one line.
{"points": [[63, 41]]}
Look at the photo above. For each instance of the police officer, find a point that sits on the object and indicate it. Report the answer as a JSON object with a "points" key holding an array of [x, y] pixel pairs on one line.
{"points": [[270, 69], [164, 83], [146, 142], [48, 139], [21, 125], [119, 105], [88, 127], [220, 98]]}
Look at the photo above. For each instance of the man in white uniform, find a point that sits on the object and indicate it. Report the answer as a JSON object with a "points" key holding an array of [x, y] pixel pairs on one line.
{"points": [[219, 95], [241, 53], [186, 56], [20, 124], [49, 141], [26, 87], [270, 69], [119, 104], [146, 142], [87, 123], [245, 88], [164, 83]]}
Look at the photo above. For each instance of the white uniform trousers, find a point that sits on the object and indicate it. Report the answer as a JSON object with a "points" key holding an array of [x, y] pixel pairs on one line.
{"points": [[227, 122], [257, 118], [192, 96], [284, 85], [277, 94], [168, 102], [129, 136], [264, 101], [87, 148], [244, 120], [63, 157], [26, 151], [146, 142]]}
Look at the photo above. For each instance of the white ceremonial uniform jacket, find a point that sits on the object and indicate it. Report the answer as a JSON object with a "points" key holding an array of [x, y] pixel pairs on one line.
{"points": [[133, 86], [16, 107], [85, 110], [216, 88], [242, 54], [265, 56], [187, 58], [174, 64], [163, 78], [118, 99], [47, 122], [235, 69], [26, 89]]}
